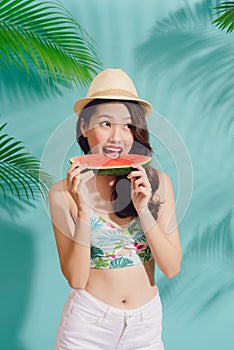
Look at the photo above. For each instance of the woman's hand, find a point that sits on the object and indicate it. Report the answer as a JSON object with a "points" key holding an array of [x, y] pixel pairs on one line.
{"points": [[76, 185], [141, 190]]}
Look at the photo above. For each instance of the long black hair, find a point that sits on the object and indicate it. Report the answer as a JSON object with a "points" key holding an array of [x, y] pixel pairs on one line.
{"points": [[121, 194]]}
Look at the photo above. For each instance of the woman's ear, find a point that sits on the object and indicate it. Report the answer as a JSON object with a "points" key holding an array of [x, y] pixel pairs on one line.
{"points": [[82, 127]]}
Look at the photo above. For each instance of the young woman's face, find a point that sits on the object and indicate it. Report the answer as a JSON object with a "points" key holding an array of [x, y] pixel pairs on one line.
{"points": [[109, 130]]}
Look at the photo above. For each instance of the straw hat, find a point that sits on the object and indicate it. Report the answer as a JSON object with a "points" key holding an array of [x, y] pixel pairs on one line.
{"points": [[112, 84]]}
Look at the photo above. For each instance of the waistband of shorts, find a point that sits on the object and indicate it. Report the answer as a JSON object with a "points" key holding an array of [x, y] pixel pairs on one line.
{"points": [[87, 299]]}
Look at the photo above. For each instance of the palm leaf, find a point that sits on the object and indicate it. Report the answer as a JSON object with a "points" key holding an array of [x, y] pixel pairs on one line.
{"points": [[120, 262], [109, 238], [21, 174], [226, 20], [43, 37], [28, 84], [95, 252], [195, 58], [12, 206]]}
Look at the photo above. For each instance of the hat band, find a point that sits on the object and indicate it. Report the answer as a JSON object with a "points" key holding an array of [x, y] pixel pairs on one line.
{"points": [[114, 92]]}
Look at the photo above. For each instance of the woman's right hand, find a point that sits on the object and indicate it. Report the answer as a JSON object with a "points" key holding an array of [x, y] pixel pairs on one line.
{"points": [[76, 184]]}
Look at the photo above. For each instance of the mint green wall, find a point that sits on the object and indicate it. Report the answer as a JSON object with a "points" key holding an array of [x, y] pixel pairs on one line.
{"points": [[188, 96]]}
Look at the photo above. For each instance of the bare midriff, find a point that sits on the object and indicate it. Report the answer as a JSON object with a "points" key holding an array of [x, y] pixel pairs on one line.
{"points": [[125, 288]]}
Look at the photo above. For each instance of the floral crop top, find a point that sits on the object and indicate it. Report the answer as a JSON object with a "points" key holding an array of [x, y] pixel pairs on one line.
{"points": [[113, 246]]}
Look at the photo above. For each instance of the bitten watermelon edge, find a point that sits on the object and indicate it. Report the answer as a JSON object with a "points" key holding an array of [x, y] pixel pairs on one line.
{"points": [[102, 165]]}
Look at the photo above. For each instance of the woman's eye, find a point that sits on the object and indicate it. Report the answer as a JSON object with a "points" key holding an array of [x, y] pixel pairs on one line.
{"points": [[128, 126], [105, 123]]}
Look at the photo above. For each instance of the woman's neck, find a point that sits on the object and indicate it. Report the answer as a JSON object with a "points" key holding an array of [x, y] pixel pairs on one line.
{"points": [[104, 185], [105, 180]]}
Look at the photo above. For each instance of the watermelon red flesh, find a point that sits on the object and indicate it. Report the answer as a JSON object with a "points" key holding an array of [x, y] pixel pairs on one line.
{"points": [[110, 166]]}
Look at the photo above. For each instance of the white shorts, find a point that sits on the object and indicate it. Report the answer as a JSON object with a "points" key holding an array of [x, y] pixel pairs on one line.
{"points": [[90, 324]]}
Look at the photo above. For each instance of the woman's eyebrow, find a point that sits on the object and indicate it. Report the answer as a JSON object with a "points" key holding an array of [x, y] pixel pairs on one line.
{"points": [[111, 117]]}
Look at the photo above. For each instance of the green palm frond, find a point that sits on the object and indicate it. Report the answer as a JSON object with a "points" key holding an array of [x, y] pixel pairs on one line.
{"points": [[16, 83], [226, 20], [21, 175], [207, 270], [43, 36]]}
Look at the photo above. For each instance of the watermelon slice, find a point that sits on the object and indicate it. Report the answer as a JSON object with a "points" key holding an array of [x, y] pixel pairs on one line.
{"points": [[103, 165]]}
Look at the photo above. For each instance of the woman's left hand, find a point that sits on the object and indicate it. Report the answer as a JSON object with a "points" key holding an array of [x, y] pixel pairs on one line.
{"points": [[141, 190]]}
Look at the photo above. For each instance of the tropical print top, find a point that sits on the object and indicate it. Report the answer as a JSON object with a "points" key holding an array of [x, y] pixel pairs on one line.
{"points": [[113, 246]]}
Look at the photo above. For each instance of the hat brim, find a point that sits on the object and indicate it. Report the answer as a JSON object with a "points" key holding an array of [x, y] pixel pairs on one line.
{"points": [[81, 103]]}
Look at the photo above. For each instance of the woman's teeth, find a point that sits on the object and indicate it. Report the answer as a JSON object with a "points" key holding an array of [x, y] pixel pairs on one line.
{"points": [[112, 152]]}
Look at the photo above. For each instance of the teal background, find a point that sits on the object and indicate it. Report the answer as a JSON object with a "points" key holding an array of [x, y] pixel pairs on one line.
{"points": [[183, 65]]}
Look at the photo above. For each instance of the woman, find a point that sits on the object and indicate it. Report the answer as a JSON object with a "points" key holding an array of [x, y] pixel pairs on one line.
{"points": [[110, 231]]}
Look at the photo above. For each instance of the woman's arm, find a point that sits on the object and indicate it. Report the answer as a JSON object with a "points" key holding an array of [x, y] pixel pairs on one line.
{"points": [[162, 235], [165, 247], [72, 240]]}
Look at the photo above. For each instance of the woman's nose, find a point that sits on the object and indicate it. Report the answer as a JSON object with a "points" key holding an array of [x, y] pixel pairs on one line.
{"points": [[116, 131]]}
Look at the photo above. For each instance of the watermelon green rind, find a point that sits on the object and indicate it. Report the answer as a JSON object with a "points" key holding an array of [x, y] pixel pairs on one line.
{"points": [[113, 168], [114, 172]]}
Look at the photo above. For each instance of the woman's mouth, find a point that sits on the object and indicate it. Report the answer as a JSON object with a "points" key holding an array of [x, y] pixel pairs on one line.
{"points": [[112, 151]]}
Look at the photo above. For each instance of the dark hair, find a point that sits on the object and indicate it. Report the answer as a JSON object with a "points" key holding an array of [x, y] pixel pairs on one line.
{"points": [[122, 188]]}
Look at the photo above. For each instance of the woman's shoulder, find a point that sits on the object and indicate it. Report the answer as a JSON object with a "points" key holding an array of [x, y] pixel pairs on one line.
{"points": [[164, 183], [59, 192], [59, 186], [163, 177]]}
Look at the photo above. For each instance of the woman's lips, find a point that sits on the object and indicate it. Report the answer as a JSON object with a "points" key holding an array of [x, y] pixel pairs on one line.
{"points": [[112, 151]]}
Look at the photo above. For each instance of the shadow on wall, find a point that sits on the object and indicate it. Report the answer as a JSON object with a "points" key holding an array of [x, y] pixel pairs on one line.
{"points": [[191, 55], [208, 266], [16, 260]]}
